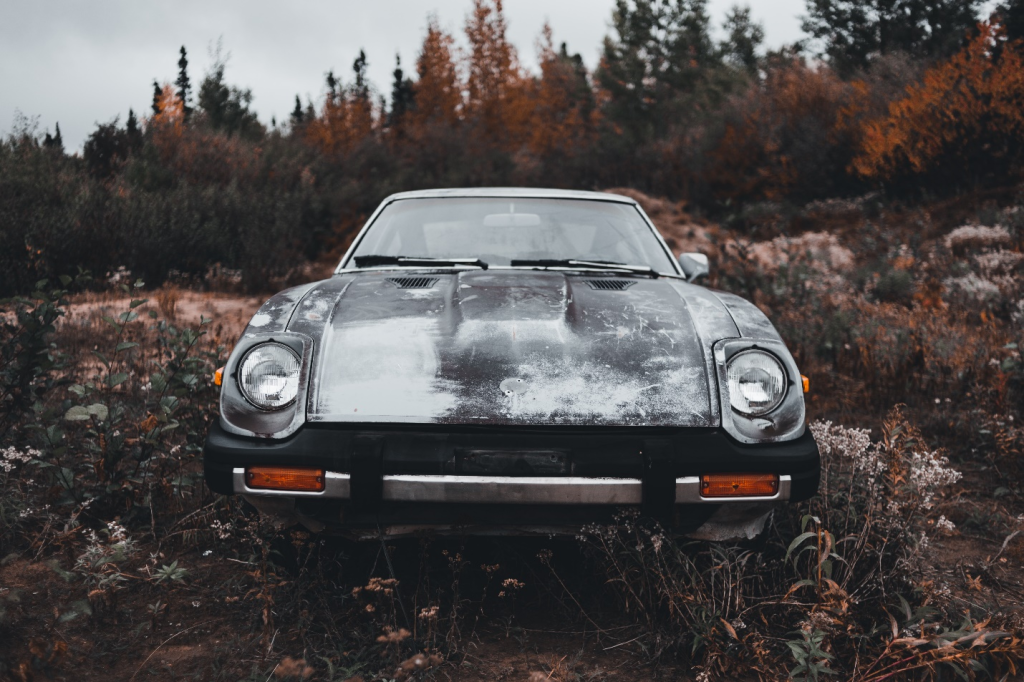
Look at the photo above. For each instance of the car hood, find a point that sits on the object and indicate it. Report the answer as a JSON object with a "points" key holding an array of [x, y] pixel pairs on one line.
{"points": [[507, 347]]}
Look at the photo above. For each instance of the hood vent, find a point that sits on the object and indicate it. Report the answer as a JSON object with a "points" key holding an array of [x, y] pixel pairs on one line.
{"points": [[608, 284], [413, 282]]}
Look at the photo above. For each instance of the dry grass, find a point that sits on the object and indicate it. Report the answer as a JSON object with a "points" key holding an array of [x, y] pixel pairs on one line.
{"points": [[111, 543]]}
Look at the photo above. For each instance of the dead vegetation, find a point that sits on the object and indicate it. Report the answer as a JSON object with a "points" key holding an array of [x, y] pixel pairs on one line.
{"points": [[116, 563]]}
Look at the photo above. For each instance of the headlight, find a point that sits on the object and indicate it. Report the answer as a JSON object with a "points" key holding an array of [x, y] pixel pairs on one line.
{"points": [[269, 376], [757, 382]]}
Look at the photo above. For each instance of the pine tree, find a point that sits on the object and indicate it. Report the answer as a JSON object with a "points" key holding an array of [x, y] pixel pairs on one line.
{"points": [[133, 132], [106, 150], [158, 94], [333, 85], [54, 142], [661, 54], [564, 107], [297, 116], [437, 92], [494, 84], [402, 94], [226, 107], [851, 32], [360, 88], [1011, 16], [184, 86], [744, 38]]}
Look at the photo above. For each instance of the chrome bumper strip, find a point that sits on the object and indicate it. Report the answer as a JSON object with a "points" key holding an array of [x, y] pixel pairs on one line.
{"points": [[512, 489], [509, 490]]}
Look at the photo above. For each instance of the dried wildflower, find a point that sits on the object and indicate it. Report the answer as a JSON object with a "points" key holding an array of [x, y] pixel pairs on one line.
{"points": [[293, 668], [10, 457], [973, 287], [998, 262], [976, 236], [391, 636], [418, 662], [223, 530]]}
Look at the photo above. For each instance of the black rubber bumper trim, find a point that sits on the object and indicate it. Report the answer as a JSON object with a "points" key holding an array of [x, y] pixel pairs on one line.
{"points": [[658, 482], [367, 471], [616, 452]]}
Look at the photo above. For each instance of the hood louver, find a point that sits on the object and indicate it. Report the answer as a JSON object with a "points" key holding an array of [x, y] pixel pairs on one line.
{"points": [[413, 282], [610, 284]]}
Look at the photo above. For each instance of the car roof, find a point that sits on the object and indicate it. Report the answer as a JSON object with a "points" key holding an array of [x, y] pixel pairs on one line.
{"points": [[502, 192]]}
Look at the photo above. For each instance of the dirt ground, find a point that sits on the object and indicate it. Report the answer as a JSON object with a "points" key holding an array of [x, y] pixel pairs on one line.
{"points": [[221, 621]]}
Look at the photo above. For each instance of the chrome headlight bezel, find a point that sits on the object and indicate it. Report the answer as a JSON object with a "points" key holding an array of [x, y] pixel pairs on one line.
{"points": [[287, 355], [786, 420], [239, 415], [777, 375]]}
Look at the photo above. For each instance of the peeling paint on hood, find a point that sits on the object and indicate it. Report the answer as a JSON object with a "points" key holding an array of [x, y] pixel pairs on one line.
{"points": [[511, 347]]}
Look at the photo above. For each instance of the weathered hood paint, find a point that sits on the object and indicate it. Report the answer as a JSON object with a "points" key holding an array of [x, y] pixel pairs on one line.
{"points": [[506, 347]]}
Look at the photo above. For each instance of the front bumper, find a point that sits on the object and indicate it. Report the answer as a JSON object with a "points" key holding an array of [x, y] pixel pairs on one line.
{"points": [[485, 476], [511, 490]]}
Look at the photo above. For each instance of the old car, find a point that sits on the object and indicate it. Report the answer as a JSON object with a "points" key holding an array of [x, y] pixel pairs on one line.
{"points": [[512, 361]]}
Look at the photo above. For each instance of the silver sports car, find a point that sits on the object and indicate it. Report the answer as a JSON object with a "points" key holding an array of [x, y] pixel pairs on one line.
{"points": [[512, 361]]}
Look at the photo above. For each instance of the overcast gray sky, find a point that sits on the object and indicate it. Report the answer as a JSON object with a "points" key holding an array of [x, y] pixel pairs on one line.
{"points": [[78, 62]]}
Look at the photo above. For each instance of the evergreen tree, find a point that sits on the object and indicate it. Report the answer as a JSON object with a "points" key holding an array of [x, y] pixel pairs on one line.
{"points": [[133, 132], [744, 38], [157, 95], [437, 91], [852, 32], [402, 94], [494, 81], [361, 87], [1011, 16], [184, 86], [661, 53], [333, 85], [106, 149], [297, 116], [225, 107], [54, 142]]}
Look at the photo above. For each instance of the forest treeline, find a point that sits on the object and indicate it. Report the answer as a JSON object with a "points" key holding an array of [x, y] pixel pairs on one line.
{"points": [[908, 97]]}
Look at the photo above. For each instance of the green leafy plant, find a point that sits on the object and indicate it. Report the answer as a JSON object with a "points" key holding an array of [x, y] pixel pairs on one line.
{"points": [[811, 660], [171, 572]]}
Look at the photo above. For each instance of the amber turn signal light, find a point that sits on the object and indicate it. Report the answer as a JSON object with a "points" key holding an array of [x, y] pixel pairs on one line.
{"points": [[806, 382], [285, 478], [739, 485], [218, 376]]}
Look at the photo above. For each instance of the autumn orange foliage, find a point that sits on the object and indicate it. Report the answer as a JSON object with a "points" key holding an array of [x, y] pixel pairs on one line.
{"points": [[783, 133], [171, 111], [967, 116], [496, 88], [483, 93], [563, 118], [438, 93], [344, 121]]}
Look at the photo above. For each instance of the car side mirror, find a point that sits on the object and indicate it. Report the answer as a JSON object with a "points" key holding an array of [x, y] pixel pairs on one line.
{"points": [[694, 265]]}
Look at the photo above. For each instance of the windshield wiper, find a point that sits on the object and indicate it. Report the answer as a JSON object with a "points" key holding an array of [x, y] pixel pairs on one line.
{"points": [[416, 261], [588, 264]]}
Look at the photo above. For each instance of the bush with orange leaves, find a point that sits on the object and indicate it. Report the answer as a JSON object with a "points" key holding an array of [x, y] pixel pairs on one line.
{"points": [[963, 124], [792, 136]]}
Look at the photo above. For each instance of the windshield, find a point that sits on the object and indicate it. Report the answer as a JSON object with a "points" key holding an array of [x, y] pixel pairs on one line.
{"points": [[498, 231]]}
